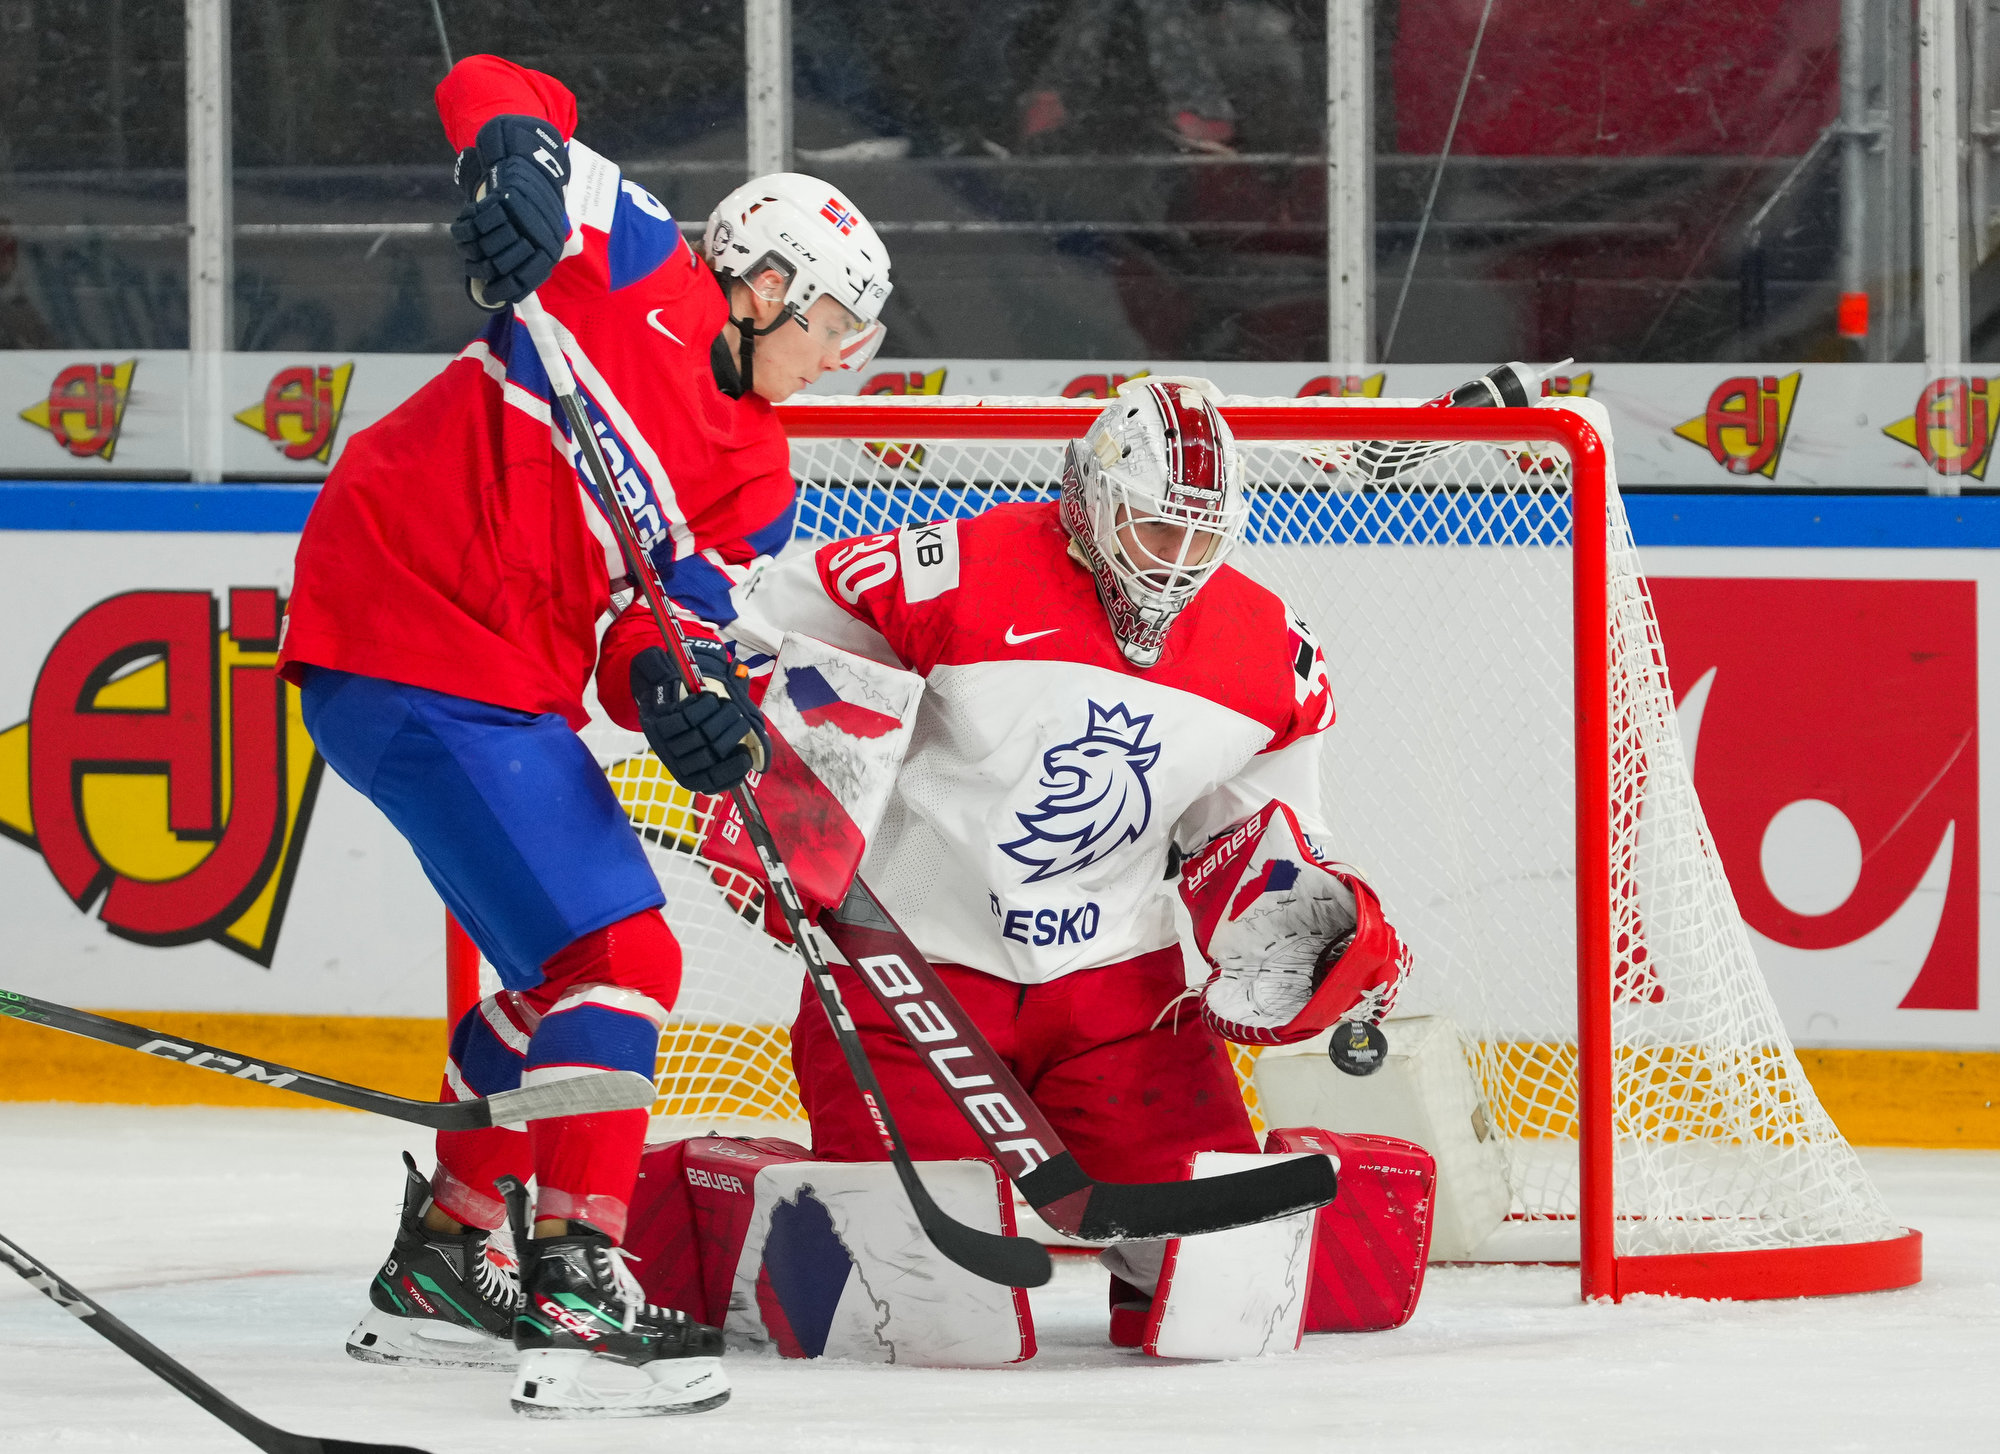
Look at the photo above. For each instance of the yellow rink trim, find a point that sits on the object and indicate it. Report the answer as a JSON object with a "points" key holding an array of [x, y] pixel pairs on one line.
{"points": [[1877, 1097], [401, 1056]]}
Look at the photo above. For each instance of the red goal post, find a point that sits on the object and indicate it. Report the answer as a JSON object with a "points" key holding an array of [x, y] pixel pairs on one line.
{"points": [[1755, 1196]]}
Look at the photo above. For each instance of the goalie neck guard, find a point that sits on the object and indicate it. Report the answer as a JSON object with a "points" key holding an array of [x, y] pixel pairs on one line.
{"points": [[1152, 497], [820, 243]]}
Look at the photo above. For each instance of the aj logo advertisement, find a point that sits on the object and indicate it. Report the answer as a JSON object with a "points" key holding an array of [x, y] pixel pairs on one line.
{"points": [[164, 772], [1743, 428], [85, 407], [300, 411], [1952, 425]]}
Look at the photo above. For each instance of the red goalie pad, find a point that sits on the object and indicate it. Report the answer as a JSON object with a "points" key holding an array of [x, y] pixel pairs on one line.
{"points": [[1297, 943], [1372, 1240]]}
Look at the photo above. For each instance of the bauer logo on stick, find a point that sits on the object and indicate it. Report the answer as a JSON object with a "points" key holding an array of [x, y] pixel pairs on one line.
{"points": [[1096, 796]]}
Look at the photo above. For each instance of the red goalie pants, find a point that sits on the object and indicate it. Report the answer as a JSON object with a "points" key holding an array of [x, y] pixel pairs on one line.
{"points": [[1130, 1089]]}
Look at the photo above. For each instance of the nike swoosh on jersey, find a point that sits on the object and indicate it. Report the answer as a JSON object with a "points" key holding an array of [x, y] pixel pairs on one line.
{"points": [[1013, 640], [653, 318]]}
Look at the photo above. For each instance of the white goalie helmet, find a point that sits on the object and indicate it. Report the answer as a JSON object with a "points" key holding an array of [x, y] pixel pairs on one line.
{"points": [[809, 232], [1153, 500]]}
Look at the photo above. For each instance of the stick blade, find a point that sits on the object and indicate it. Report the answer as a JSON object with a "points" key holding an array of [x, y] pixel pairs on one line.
{"points": [[580, 1095], [1009, 1261], [1120, 1211], [353, 1446]]}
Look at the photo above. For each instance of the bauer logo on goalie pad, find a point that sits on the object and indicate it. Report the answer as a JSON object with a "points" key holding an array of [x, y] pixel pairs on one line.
{"points": [[164, 772]]}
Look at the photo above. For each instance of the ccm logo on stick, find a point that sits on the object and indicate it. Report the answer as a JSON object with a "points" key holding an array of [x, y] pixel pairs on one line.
{"points": [[215, 1060], [991, 1111]]}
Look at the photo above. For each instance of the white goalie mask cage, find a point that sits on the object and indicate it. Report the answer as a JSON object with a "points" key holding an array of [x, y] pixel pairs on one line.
{"points": [[807, 230], [1160, 455]]}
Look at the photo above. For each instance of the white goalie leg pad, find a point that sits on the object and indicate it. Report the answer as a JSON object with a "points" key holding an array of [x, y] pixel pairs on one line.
{"points": [[834, 1265], [1234, 1294]]}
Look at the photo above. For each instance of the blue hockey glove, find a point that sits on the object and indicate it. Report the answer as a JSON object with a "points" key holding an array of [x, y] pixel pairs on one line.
{"points": [[708, 740], [511, 231]]}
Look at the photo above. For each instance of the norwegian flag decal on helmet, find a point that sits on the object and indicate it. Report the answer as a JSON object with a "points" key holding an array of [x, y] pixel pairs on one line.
{"points": [[836, 211]]}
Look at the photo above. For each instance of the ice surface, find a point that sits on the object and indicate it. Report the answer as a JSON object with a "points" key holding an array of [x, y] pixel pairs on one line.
{"points": [[242, 1241]]}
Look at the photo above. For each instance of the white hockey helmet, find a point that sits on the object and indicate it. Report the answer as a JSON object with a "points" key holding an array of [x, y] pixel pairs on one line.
{"points": [[814, 237], [1153, 498]]}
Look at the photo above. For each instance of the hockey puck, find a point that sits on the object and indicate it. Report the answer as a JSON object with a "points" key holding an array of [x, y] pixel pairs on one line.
{"points": [[1358, 1047]]}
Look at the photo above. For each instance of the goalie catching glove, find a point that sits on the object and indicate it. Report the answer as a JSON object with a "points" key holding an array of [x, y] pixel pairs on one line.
{"points": [[1296, 943], [708, 740]]}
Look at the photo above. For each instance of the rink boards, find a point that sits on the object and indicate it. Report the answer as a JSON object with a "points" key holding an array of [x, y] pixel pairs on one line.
{"points": [[285, 895]]}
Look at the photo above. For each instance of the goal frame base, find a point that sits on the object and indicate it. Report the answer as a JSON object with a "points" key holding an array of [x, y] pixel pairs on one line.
{"points": [[1777, 1272]]}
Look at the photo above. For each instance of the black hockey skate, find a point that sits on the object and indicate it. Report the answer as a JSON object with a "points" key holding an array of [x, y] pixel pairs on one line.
{"points": [[442, 1300], [590, 1344]]}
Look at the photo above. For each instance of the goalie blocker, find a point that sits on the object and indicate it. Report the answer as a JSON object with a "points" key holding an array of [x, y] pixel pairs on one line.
{"points": [[1296, 943]]}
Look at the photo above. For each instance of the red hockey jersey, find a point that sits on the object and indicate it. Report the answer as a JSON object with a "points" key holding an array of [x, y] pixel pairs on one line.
{"points": [[1029, 829], [455, 544]]}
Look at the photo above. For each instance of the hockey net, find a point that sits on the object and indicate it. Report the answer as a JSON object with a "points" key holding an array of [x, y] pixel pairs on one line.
{"points": [[1438, 577]]}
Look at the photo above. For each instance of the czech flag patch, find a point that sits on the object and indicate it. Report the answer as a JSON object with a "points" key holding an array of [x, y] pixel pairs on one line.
{"points": [[821, 706]]}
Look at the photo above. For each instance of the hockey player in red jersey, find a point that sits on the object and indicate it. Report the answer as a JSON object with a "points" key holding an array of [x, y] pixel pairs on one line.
{"points": [[443, 627], [1104, 695]]}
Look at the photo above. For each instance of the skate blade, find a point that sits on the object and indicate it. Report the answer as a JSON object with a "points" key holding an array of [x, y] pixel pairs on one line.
{"points": [[423, 1343], [566, 1383]]}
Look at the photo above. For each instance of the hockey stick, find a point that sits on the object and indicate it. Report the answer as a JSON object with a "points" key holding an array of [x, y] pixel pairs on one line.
{"points": [[979, 1083], [609, 1090], [1011, 1261], [265, 1436]]}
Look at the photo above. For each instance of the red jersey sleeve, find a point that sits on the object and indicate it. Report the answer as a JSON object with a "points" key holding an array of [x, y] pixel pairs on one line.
{"points": [[480, 88], [880, 581], [1312, 693], [631, 632]]}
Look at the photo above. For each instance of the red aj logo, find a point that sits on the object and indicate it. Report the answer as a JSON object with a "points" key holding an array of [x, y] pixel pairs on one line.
{"points": [[916, 381], [301, 408], [85, 407], [1952, 427], [164, 772], [1833, 729], [1743, 428]]}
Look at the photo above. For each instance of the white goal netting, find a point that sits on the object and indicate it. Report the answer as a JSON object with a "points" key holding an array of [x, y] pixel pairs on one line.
{"points": [[1440, 589]]}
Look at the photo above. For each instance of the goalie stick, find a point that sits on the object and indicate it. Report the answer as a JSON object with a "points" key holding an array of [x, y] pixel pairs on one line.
{"points": [[86, 1309], [1027, 1147], [609, 1090], [1011, 1261]]}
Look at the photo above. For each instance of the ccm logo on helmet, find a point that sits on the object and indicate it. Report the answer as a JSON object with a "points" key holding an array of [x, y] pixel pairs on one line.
{"points": [[927, 1026]]}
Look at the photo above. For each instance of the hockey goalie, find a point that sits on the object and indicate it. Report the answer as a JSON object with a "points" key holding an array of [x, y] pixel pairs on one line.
{"points": [[1105, 700]]}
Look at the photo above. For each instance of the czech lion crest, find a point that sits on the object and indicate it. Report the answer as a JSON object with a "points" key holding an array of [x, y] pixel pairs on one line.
{"points": [[1095, 799]]}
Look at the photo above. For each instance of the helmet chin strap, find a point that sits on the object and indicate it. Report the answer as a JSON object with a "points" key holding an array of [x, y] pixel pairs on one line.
{"points": [[747, 334]]}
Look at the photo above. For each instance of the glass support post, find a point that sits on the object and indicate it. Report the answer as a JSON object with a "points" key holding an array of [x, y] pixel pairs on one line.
{"points": [[1350, 184], [211, 219]]}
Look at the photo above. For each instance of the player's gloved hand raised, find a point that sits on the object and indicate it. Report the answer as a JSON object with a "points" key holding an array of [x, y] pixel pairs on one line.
{"points": [[707, 740], [511, 231]]}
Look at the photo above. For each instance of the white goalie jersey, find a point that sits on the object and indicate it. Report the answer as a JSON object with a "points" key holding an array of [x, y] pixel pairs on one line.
{"points": [[1028, 832]]}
